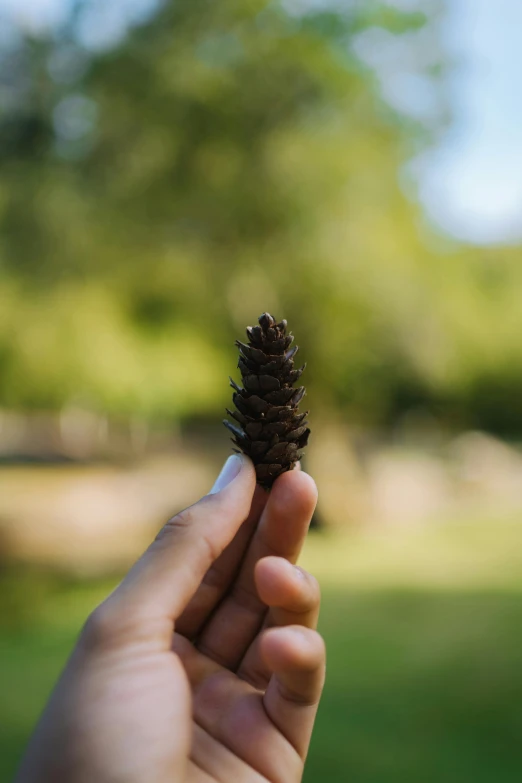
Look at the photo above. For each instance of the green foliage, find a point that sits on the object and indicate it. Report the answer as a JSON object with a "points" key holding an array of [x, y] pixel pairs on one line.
{"points": [[223, 159]]}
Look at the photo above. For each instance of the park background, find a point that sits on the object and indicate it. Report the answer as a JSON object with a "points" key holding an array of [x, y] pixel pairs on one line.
{"points": [[170, 170]]}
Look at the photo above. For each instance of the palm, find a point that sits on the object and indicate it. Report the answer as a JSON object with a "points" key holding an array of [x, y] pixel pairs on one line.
{"points": [[233, 738]]}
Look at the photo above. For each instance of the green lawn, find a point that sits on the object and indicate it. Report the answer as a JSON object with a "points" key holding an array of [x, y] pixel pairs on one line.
{"points": [[424, 684], [422, 688]]}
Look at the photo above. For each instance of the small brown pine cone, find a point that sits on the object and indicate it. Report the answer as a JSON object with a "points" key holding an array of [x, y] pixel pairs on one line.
{"points": [[271, 430]]}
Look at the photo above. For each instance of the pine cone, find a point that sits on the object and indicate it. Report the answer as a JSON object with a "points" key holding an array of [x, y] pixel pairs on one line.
{"points": [[272, 432]]}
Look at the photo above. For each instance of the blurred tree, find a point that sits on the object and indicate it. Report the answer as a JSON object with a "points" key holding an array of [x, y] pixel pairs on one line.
{"points": [[158, 192]]}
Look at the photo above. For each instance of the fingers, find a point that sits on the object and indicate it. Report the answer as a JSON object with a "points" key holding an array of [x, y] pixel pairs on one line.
{"points": [[281, 532], [219, 576], [162, 582], [296, 656], [293, 596], [291, 592]]}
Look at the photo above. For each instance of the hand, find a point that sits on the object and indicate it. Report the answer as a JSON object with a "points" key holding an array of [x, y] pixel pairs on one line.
{"points": [[231, 695]]}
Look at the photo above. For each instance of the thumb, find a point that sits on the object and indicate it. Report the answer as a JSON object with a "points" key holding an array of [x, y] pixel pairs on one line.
{"points": [[164, 579]]}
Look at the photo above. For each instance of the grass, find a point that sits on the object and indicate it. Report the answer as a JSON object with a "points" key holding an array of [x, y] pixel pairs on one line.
{"points": [[424, 671], [460, 555], [422, 687]]}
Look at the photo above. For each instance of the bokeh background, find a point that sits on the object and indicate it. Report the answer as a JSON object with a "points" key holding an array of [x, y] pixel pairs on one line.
{"points": [[170, 170]]}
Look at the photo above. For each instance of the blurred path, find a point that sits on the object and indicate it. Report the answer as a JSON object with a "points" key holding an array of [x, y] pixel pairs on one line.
{"points": [[97, 518]]}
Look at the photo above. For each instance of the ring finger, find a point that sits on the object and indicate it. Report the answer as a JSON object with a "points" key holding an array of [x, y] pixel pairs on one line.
{"points": [[293, 596]]}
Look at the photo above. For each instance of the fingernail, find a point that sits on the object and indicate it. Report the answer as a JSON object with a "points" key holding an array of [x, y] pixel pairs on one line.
{"points": [[230, 470]]}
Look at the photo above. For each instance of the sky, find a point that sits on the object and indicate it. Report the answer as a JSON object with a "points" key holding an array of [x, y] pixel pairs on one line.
{"points": [[471, 185]]}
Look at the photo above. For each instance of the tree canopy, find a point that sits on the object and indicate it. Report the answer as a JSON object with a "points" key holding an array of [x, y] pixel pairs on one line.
{"points": [[223, 159]]}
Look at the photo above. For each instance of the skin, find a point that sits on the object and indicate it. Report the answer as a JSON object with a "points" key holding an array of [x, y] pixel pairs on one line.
{"points": [[204, 665]]}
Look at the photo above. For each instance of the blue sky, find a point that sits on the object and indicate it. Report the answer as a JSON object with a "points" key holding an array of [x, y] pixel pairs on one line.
{"points": [[472, 184]]}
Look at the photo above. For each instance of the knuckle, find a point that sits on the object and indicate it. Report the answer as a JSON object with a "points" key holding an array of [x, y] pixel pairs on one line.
{"points": [[184, 524], [106, 628], [99, 627], [321, 649], [309, 595], [180, 522], [313, 652], [316, 647], [315, 590], [212, 549], [306, 698], [320, 656]]}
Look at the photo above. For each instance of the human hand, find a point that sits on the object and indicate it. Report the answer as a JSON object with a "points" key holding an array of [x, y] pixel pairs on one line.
{"points": [[203, 664]]}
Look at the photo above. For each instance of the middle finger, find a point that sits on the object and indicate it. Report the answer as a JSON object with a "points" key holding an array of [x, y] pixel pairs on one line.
{"points": [[281, 532]]}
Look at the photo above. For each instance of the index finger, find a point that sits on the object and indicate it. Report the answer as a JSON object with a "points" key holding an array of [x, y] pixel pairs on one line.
{"points": [[221, 573]]}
